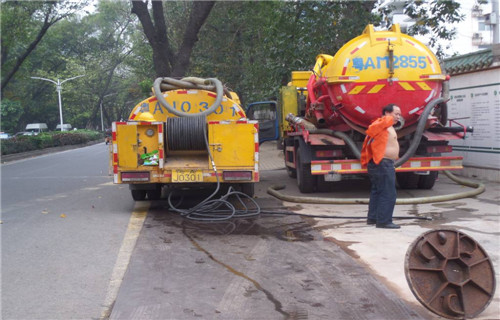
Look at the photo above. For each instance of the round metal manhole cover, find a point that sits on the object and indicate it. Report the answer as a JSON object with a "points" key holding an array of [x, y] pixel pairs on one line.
{"points": [[450, 273]]}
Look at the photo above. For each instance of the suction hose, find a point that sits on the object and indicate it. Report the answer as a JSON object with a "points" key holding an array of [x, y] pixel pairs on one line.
{"points": [[188, 83], [478, 189], [418, 132], [352, 145]]}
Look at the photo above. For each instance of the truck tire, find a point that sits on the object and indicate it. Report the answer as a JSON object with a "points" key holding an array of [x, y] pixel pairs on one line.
{"points": [[154, 194], [138, 195], [427, 182], [292, 172], [407, 180], [248, 189], [305, 180]]}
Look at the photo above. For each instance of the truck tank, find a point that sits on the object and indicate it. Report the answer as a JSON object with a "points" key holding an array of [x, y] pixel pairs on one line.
{"points": [[372, 70]]}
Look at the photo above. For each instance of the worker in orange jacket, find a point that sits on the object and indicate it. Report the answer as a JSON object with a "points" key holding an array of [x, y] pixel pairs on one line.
{"points": [[380, 150]]}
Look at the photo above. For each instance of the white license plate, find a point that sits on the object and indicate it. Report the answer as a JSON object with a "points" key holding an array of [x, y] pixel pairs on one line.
{"points": [[333, 177], [187, 176]]}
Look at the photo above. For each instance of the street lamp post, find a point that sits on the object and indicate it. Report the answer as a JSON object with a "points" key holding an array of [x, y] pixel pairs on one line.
{"points": [[59, 89], [102, 120]]}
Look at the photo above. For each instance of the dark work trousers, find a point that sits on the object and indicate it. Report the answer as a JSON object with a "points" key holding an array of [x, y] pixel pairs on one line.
{"points": [[383, 191]]}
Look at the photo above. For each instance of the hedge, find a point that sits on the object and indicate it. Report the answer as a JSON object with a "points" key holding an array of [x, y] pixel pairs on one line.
{"points": [[48, 140]]}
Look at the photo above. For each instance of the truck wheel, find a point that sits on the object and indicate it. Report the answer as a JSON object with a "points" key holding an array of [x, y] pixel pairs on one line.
{"points": [[305, 180], [154, 194], [407, 180], [248, 189], [292, 172], [138, 195], [427, 182]]}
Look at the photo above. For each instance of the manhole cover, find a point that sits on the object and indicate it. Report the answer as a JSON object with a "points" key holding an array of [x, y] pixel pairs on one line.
{"points": [[450, 273]]}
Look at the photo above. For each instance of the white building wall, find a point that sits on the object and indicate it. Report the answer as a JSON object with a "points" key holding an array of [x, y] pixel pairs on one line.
{"points": [[475, 101]]}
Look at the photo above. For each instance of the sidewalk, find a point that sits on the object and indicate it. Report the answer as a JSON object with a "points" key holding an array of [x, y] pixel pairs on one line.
{"points": [[383, 251]]}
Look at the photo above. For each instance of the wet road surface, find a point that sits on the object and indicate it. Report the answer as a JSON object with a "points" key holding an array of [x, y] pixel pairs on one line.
{"points": [[270, 267]]}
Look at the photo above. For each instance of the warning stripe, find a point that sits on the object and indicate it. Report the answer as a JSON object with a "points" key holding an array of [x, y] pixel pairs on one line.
{"points": [[373, 88], [135, 114], [256, 155], [346, 64], [323, 167], [358, 47]]}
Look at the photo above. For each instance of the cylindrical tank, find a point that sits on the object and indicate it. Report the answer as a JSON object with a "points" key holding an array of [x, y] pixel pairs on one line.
{"points": [[371, 71]]}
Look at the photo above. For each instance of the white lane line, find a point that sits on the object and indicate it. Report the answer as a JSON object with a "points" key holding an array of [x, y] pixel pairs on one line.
{"points": [[133, 230]]}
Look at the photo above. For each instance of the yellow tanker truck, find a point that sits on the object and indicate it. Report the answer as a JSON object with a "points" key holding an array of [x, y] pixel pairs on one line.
{"points": [[191, 132]]}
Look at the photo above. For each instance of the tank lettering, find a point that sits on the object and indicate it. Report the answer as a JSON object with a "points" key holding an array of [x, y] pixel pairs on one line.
{"points": [[158, 107], [369, 63], [219, 110], [184, 108], [203, 106], [382, 59], [402, 61], [357, 63], [422, 62]]}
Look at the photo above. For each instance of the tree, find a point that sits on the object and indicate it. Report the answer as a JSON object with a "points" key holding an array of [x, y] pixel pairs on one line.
{"points": [[166, 61], [433, 19], [32, 19]]}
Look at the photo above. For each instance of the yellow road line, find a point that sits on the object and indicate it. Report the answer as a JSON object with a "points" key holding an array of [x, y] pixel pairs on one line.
{"points": [[128, 244]]}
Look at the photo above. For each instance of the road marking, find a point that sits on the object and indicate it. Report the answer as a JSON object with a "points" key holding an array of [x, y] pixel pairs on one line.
{"points": [[133, 230]]}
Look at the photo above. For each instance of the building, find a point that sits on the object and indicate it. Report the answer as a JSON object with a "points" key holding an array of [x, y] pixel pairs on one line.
{"points": [[479, 30], [475, 101]]}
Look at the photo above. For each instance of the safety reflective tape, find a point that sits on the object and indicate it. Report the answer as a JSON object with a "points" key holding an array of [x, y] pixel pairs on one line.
{"points": [[406, 86], [376, 88], [357, 89], [424, 86]]}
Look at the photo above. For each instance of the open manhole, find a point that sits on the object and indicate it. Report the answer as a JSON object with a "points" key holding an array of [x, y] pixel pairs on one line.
{"points": [[450, 273]]}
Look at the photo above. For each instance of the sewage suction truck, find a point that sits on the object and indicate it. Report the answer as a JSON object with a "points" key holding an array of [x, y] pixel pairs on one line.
{"points": [[190, 133], [323, 113]]}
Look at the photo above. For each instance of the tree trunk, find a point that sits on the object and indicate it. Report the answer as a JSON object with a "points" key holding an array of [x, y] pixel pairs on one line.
{"points": [[165, 62], [199, 14], [46, 25]]}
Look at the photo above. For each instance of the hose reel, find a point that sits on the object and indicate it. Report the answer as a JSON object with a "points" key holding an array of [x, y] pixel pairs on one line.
{"points": [[186, 133]]}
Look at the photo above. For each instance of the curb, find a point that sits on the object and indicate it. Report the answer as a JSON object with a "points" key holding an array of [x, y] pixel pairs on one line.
{"points": [[40, 152]]}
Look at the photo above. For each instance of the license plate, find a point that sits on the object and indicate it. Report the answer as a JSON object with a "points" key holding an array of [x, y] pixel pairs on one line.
{"points": [[333, 177], [187, 176]]}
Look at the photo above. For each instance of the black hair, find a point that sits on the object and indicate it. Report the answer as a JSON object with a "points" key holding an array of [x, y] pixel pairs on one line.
{"points": [[388, 108]]}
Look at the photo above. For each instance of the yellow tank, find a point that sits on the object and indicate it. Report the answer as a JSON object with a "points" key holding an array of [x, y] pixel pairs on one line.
{"points": [[373, 70]]}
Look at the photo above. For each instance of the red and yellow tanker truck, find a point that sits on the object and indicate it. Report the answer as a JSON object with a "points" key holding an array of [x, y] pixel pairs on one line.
{"points": [[323, 113]]}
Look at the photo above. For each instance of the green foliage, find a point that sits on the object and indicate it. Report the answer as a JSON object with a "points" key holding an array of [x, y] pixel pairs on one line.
{"points": [[48, 140], [10, 113], [434, 20], [252, 46]]}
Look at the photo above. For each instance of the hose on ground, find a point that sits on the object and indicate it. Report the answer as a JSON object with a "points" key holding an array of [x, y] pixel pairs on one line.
{"points": [[478, 189], [210, 84], [291, 213], [217, 209]]}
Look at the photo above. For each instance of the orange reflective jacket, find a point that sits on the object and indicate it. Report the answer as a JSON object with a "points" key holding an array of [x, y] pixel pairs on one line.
{"points": [[376, 140]]}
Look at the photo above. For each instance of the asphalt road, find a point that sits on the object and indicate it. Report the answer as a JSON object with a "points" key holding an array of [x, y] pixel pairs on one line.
{"points": [[76, 246], [63, 223], [68, 251]]}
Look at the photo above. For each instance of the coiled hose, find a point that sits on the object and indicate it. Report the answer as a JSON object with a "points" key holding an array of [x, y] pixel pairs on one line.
{"points": [[210, 84]]}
